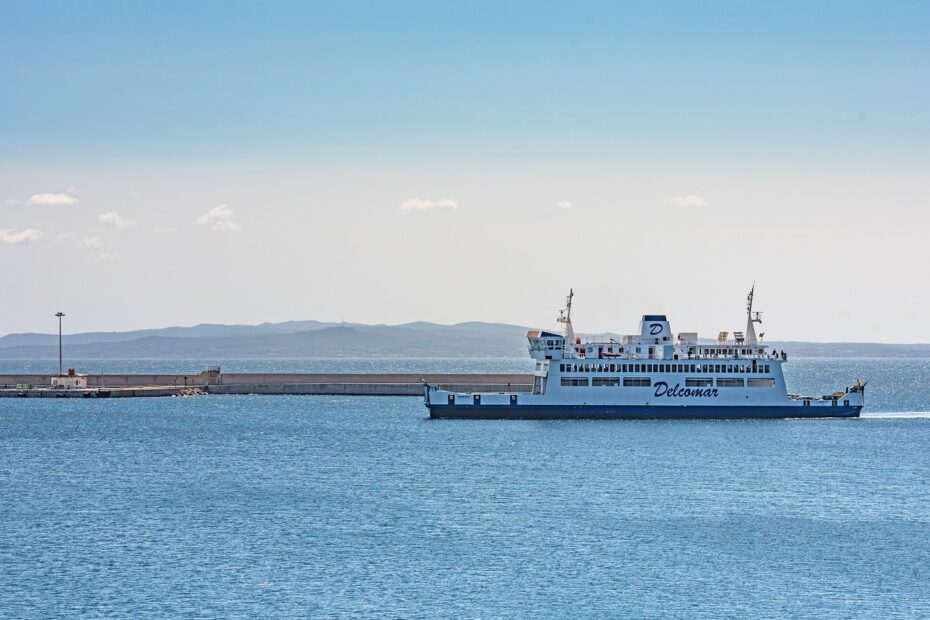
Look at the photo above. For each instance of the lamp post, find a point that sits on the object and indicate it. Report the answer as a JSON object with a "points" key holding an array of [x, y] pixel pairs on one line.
{"points": [[59, 315]]}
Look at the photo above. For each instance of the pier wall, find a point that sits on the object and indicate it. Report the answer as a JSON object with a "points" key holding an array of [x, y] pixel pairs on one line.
{"points": [[359, 384]]}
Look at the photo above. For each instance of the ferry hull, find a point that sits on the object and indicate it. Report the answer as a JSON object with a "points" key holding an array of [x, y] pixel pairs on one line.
{"points": [[635, 412]]}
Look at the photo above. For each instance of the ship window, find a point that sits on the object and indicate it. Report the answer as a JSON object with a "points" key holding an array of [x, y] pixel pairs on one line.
{"points": [[766, 368], [765, 382], [574, 381], [605, 381], [730, 382], [729, 369], [699, 382], [625, 366], [716, 367], [637, 382]]}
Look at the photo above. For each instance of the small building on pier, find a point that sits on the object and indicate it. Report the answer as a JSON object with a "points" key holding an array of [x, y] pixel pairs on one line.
{"points": [[70, 381]]}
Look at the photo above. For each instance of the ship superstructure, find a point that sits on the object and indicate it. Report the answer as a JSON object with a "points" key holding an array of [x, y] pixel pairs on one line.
{"points": [[652, 374]]}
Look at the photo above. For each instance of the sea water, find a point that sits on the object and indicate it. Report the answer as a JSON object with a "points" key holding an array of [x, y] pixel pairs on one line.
{"points": [[290, 506]]}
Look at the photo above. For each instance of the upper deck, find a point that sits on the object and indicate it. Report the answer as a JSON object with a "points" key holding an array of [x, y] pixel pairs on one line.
{"points": [[655, 340]]}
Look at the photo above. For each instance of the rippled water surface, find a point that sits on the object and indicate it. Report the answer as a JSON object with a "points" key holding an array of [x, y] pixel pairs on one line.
{"points": [[354, 506]]}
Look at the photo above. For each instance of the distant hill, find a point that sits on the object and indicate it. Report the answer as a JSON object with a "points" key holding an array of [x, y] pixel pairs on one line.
{"points": [[197, 331], [298, 339], [317, 339]]}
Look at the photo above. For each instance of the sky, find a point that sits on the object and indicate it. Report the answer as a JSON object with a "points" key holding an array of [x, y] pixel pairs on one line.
{"points": [[174, 163]]}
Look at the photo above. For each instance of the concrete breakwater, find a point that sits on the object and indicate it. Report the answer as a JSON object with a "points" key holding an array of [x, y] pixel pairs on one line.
{"points": [[215, 382]]}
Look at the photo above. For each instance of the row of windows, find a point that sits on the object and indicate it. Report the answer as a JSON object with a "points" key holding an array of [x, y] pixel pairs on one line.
{"points": [[722, 382], [714, 368], [729, 351]]}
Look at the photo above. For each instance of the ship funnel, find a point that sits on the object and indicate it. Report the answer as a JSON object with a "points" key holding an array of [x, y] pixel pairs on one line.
{"points": [[655, 328]]}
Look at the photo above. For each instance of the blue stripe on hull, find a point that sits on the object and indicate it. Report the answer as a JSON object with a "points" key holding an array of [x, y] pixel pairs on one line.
{"points": [[633, 412]]}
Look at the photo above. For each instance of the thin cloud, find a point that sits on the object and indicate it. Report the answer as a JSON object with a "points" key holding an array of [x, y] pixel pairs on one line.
{"points": [[690, 200], [27, 235], [64, 237], [90, 242], [421, 204], [102, 257], [565, 205], [164, 230], [61, 199], [219, 219], [112, 218]]}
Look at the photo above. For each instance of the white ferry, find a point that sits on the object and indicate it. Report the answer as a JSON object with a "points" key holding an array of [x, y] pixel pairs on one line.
{"points": [[653, 374]]}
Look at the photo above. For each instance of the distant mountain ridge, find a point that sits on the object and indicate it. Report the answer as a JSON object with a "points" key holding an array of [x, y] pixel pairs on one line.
{"points": [[270, 340], [320, 339], [195, 331]]}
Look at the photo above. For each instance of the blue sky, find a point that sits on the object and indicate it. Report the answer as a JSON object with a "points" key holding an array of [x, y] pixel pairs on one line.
{"points": [[400, 161], [612, 80]]}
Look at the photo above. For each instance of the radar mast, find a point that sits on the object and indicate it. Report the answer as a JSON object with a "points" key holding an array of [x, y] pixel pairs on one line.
{"points": [[565, 318], [751, 318]]}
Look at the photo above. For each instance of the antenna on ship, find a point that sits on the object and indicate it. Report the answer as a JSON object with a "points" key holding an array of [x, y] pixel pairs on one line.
{"points": [[565, 317], [751, 318]]}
